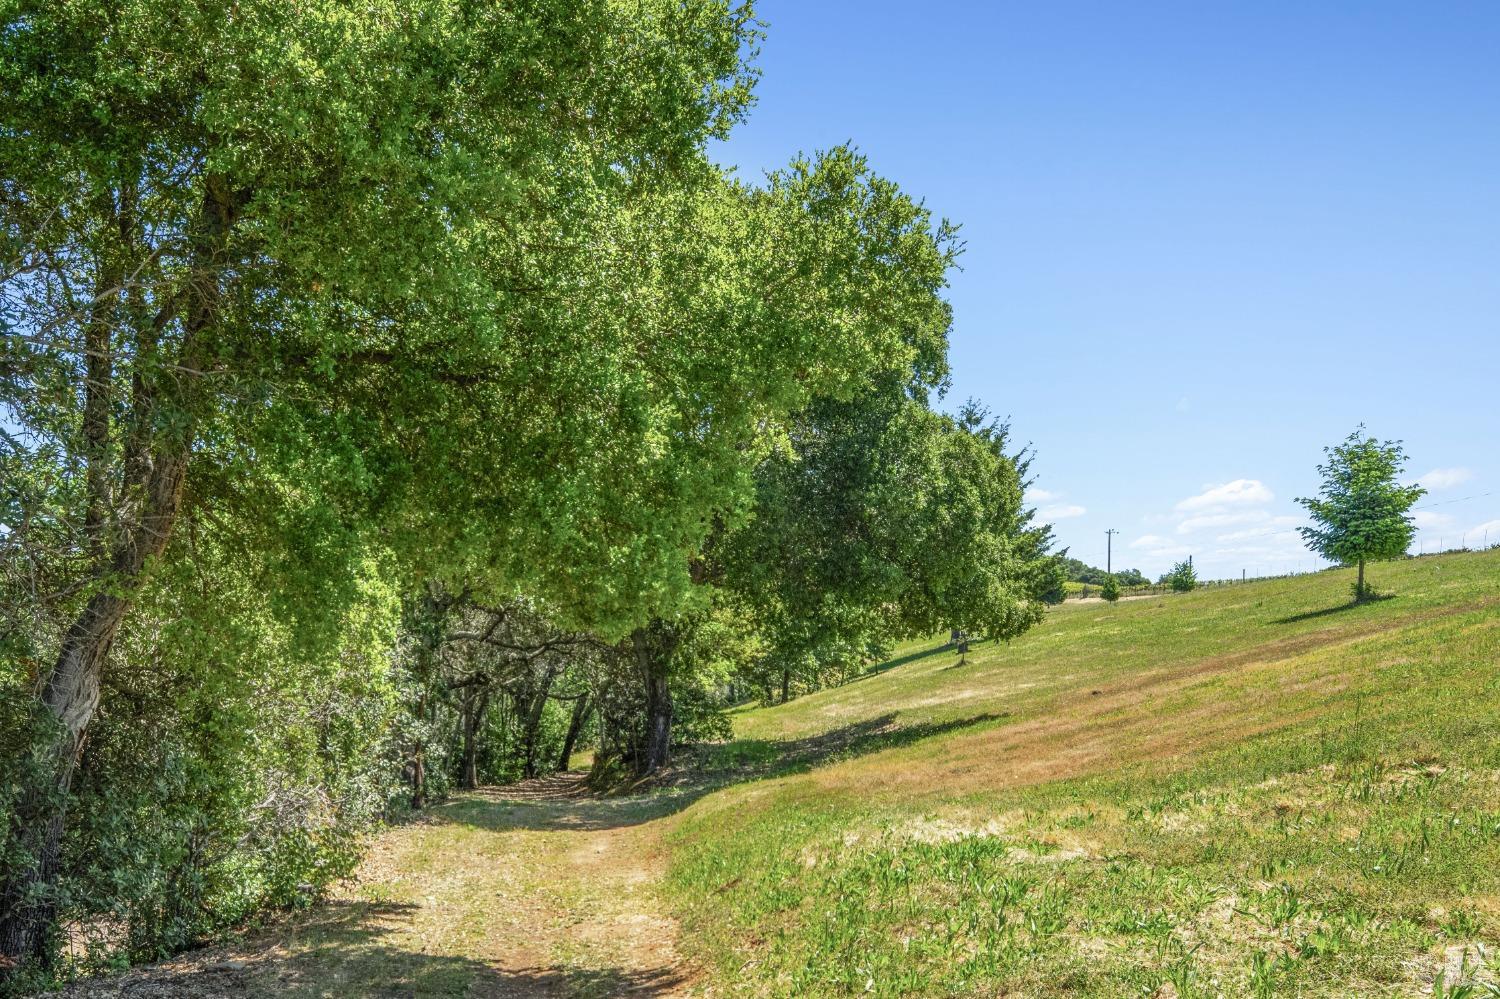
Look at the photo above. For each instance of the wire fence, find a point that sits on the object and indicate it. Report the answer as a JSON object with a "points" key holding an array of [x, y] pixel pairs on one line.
{"points": [[1093, 590]]}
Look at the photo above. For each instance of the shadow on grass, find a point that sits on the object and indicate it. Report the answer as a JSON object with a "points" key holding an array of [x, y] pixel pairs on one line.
{"points": [[700, 770], [753, 759], [1340, 609], [351, 949], [891, 664]]}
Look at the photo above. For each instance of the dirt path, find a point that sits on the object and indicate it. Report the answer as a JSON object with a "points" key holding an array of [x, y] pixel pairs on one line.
{"points": [[530, 890]]}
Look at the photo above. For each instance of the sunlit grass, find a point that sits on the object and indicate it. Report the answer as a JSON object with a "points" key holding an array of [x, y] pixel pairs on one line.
{"points": [[1246, 791]]}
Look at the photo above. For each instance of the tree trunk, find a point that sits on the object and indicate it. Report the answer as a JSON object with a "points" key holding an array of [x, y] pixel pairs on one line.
{"points": [[534, 720], [653, 647], [417, 771], [575, 728], [69, 696], [786, 685], [155, 466], [429, 621], [473, 707], [98, 379], [416, 766], [468, 769]]}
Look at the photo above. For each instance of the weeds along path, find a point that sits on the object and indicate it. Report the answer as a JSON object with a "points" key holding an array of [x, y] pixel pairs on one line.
{"points": [[529, 890]]}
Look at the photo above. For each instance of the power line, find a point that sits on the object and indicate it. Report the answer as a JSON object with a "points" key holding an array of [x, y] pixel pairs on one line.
{"points": [[1461, 499]]}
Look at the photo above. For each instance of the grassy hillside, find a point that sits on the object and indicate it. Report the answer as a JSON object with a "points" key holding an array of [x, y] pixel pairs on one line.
{"points": [[1256, 790]]}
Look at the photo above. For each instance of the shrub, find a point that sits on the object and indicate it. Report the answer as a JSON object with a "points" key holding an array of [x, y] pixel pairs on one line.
{"points": [[1183, 577]]}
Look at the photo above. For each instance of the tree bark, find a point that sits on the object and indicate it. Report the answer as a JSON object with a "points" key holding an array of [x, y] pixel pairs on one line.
{"points": [[98, 377], [69, 696], [416, 770], [534, 721], [430, 622], [786, 685], [653, 647], [575, 729], [155, 467], [473, 706]]}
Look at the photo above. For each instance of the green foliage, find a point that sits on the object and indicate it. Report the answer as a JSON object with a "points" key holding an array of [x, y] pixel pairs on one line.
{"points": [[411, 290], [884, 520], [718, 650], [1111, 589], [243, 752], [1079, 572], [1362, 511], [421, 314], [422, 219], [1183, 577]]}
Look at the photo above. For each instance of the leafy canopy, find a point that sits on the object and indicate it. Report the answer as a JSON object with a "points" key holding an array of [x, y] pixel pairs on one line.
{"points": [[885, 520], [479, 296], [393, 293]]}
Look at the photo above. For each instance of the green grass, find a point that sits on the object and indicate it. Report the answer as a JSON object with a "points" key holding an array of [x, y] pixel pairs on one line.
{"points": [[1253, 790]]}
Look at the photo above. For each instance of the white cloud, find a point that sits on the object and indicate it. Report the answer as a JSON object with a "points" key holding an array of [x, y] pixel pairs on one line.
{"points": [[1156, 546], [1277, 528], [1228, 528], [1240, 492], [1426, 520], [1056, 511], [1192, 524], [1445, 478], [1489, 530]]}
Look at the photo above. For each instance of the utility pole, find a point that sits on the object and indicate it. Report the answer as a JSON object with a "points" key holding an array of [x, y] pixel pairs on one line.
{"points": [[1109, 545]]}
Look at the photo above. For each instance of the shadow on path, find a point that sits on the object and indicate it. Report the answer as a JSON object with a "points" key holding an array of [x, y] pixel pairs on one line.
{"points": [[502, 809], [342, 949], [364, 948]]}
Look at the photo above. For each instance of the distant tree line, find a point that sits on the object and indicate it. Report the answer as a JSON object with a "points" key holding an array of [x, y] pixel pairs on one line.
{"points": [[396, 397], [1079, 572]]}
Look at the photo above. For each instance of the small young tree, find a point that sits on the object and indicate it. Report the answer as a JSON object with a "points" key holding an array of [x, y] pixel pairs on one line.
{"points": [[1183, 577], [1361, 513], [1111, 589]]}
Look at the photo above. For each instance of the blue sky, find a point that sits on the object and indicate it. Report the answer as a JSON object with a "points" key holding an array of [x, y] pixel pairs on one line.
{"points": [[1203, 241]]}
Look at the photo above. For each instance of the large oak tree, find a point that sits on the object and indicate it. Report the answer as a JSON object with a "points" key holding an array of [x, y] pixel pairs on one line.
{"points": [[885, 521], [451, 280]]}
